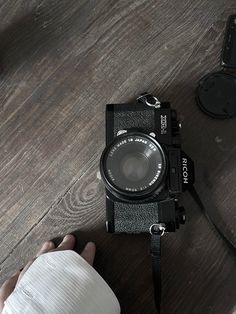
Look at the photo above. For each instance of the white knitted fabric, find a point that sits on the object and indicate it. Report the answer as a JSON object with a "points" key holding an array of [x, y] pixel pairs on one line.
{"points": [[61, 283]]}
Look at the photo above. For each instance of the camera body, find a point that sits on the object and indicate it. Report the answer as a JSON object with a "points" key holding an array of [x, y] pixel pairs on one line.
{"points": [[143, 167]]}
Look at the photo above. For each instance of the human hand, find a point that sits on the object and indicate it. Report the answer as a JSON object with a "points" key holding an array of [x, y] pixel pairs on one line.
{"points": [[68, 243]]}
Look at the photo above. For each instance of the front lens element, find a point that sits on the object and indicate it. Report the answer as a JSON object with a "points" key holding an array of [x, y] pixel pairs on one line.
{"points": [[134, 166], [134, 163]]}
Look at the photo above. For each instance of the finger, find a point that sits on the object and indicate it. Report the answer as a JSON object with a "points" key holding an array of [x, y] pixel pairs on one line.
{"points": [[68, 243], [46, 247], [88, 252], [7, 288]]}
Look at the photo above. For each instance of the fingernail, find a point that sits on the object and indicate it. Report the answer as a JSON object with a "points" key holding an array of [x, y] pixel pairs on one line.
{"points": [[67, 237], [16, 273], [46, 245], [89, 246]]}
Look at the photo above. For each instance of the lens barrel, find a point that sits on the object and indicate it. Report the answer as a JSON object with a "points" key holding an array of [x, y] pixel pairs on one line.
{"points": [[133, 165]]}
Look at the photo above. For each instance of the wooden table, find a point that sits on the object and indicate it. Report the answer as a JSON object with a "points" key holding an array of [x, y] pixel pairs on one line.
{"points": [[61, 62]]}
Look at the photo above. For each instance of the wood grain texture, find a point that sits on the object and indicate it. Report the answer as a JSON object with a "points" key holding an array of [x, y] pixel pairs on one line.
{"points": [[61, 62]]}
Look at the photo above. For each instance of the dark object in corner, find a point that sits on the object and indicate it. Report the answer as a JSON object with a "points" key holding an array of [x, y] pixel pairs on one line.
{"points": [[216, 92], [216, 95]]}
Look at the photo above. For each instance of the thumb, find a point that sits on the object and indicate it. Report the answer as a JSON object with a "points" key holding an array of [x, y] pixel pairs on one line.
{"points": [[88, 252]]}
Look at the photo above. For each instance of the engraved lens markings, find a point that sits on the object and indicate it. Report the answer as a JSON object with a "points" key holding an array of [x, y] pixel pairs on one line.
{"points": [[152, 148]]}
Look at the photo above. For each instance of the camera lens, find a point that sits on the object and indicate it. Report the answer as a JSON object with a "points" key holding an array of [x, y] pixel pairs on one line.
{"points": [[133, 165]]}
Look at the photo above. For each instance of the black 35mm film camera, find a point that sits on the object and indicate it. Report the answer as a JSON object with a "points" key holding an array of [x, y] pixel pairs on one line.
{"points": [[143, 167]]}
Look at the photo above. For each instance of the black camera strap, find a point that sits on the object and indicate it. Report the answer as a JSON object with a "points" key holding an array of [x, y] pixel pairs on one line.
{"points": [[200, 204], [157, 230], [156, 268]]}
